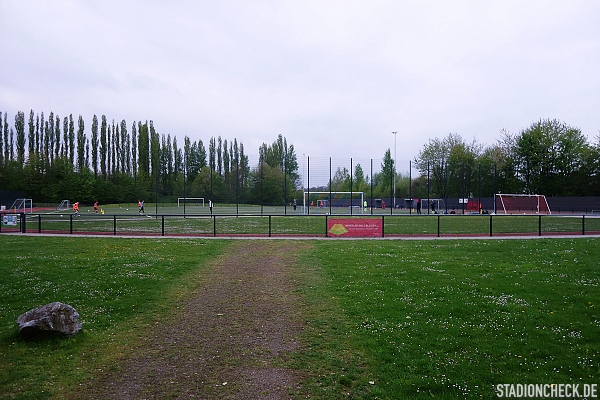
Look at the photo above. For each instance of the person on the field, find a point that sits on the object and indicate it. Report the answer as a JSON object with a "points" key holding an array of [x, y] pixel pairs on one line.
{"points": [[210, 205], [96, 207], [142, 207], [418, 206], [294, 204], [76, 208]]}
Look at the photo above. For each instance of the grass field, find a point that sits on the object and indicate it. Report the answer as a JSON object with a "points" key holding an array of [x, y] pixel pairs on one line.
{"points": [[383, 319], [255, 220]]}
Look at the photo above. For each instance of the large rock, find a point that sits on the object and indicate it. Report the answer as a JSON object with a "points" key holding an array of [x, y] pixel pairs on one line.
{"points": [[53, 318]]}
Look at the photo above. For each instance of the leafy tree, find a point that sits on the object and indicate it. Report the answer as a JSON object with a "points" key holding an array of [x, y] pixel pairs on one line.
{"points": [[280, 155], [382, 181], [360, 182], [549, 154]]}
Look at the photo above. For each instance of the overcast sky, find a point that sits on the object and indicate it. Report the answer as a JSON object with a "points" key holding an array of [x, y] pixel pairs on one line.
{"points": [[333, 77]]}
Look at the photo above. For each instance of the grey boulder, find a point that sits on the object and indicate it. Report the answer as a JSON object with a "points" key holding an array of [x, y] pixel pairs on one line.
{"points": [[53, 318]]}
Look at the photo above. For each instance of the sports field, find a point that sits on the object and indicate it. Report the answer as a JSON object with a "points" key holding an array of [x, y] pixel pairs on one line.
{"points": [[331, 319], [232, 220]]}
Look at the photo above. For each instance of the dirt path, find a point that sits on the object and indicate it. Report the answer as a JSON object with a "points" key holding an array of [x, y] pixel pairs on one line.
{"points": [[227, 340]]}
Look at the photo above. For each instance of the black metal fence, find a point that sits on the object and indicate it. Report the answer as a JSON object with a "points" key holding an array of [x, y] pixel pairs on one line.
{"points": [[281, 225]]}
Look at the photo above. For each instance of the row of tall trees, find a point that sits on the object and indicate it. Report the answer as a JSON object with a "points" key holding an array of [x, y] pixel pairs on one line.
{"points": [[54, 159], [549, 157]]}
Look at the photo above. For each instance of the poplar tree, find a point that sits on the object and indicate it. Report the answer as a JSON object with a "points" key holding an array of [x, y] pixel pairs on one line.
{"points": [[31, 135], [1, 143], [80, 144], [95, 145], [57, 136], [124, 147], [50, 138], [71, 139], [20, 127], [103, 148], [219, 156], [134, 149], [65, 149]]}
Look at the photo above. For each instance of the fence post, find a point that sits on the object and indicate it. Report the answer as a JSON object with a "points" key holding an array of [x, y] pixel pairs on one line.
{"points": [[382, 225], [540, 225], [269, 225], [23, 223], [39, 223], [214, 225], [115, 225], [583, 224], [438, 222], [491, 229], [71, 224], [326, 233], [163, 225]]}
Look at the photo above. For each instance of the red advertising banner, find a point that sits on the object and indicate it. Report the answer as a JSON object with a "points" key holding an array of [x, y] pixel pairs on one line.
{"points": [[355, 227]]}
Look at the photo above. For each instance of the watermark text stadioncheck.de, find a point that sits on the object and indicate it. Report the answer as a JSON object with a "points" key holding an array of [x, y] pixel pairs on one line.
{"points": [[547, 391]]}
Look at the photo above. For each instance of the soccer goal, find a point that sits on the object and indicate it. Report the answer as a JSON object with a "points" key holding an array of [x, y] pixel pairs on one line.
{"points": [[190, 201], [21, 205], [521, 204], [334, 202], [64, 205]]}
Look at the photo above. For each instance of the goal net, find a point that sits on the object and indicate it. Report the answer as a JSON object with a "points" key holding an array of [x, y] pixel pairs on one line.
{"points": [[22, 205], [334, 202], [190, 201], [522, 204], [64, 205]]}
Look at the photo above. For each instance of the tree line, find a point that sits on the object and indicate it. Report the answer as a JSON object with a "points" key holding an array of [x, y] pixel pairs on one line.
{"points": [[50, 159], [549, 157]]}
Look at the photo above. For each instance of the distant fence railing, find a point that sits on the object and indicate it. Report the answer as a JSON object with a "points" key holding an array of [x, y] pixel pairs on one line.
{"points": [[277, 225]]}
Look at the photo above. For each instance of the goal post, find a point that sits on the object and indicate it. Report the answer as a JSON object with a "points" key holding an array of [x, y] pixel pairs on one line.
{"points": [[64, 205], [336, 202], [190, 201], [522, 204], [22, 205]]}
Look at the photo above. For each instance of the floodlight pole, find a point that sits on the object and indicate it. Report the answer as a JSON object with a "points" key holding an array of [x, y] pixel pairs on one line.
{"points": [[394, 202]]}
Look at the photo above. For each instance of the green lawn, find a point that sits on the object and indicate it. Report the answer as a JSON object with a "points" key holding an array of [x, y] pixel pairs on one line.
{"points": [[383, 318], [453, 319]]}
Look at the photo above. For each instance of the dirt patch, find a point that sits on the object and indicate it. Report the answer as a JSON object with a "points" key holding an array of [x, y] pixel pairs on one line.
{"points": [[228, 340]]}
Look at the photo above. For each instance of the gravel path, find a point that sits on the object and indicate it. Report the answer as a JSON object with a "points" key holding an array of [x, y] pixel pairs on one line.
{"points": [[226, 341]]}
